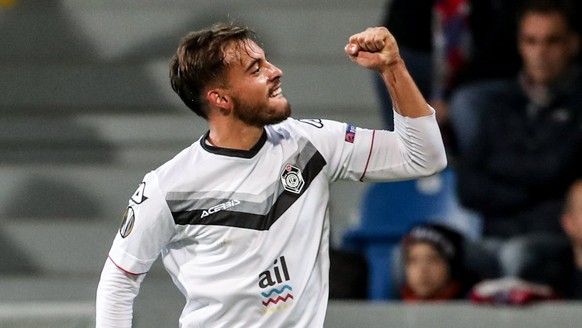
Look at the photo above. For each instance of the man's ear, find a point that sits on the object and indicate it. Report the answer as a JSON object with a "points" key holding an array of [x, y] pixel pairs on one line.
{"points": [[218, 98]]}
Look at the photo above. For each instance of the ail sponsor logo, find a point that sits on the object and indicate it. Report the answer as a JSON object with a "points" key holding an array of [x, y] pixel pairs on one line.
{"points": [[277, 294]]}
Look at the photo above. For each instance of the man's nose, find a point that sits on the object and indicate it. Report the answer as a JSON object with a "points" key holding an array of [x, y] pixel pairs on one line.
{"points": [[274, 72]]}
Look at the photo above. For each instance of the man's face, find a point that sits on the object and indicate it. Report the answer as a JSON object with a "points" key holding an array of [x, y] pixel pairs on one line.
{"points": [[427, 272], [254, 85], [546, 46]]}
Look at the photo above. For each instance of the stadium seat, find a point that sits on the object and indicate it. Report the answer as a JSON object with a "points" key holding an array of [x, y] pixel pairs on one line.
{"points": [[388, 210]]}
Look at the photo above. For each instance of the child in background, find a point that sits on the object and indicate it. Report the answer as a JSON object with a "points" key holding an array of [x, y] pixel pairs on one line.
{"points": [[433, 264]]}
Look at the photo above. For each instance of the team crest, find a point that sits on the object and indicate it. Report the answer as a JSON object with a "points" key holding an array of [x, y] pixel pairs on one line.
{"points": [[292, 179], [127, 222]]}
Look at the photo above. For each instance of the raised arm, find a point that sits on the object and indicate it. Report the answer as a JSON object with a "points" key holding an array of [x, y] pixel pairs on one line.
{"points": [[416, 147]]}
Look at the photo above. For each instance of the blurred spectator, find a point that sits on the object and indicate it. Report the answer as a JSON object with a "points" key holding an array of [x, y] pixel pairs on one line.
{"points": [[526, 150], [495, 55], [433, 264], [558, 276]]}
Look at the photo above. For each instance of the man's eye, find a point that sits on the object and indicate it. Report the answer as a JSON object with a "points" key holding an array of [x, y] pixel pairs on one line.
{"points": [[257, 70]]}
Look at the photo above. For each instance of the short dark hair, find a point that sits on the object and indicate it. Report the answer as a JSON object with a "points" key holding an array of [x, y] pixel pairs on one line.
{"points": [[566, 8], [200, 60]]}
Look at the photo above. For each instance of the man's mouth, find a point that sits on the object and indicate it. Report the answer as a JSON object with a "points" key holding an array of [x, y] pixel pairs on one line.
{"points": [[276, 92]]}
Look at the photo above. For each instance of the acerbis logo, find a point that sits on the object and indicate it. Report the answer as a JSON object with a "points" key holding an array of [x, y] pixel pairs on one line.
{"points": [[220, 207]]}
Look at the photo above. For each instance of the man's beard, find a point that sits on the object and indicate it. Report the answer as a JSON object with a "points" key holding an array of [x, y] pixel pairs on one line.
{"points": [[261, 116]]}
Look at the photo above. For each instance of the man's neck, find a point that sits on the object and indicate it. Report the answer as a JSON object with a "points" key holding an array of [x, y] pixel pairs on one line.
{"points": [[541, 93], [234, 136]]}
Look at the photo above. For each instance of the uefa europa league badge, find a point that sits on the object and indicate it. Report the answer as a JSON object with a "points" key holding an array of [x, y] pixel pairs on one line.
{"points": [[292, 179], [127, 222]]}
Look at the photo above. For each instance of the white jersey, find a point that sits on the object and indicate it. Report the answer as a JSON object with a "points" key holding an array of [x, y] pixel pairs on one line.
{"points": [[245, 234]]}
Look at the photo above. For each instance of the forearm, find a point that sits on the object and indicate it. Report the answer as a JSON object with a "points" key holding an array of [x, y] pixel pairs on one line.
{"points": [[406, 97], [115, 295]]}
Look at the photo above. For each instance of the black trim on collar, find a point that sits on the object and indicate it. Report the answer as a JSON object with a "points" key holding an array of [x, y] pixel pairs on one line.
{"points": [[234, 152]]}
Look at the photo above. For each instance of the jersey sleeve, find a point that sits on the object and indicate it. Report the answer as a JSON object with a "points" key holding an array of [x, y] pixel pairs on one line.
{"points": [[343, 146], [414, 149], [114, 298], [146, 228]]}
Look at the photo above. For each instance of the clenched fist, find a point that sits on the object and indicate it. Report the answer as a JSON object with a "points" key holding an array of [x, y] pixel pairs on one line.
{"points": [[375, 48]]}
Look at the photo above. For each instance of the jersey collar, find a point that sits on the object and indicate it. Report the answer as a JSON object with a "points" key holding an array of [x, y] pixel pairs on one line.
{"points": [[233, 152]]}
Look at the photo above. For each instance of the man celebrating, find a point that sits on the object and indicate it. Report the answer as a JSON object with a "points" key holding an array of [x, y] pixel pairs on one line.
{"points": [[240, 217]]}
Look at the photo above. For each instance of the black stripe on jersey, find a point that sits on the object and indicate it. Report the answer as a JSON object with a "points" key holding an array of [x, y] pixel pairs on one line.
{"points": [[252, 220]]}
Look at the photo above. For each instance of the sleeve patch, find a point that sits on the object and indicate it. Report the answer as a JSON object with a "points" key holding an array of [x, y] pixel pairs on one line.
{"points": [[139, 196], [350, 133], [127, 222]]}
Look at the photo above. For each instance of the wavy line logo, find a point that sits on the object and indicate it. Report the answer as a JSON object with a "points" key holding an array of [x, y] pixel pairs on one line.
{"points": [[277, 300], [278, 303], [275, 290]]}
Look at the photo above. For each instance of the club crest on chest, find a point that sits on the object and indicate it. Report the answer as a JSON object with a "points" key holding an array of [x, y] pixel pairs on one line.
{"points": [[292, 179]]}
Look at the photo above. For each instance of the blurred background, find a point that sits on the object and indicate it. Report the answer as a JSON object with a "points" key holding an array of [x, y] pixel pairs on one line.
{"points": [[86, 110]]}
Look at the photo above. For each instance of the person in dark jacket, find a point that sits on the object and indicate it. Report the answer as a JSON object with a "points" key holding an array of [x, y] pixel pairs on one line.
{"points": [[517, 164]]}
